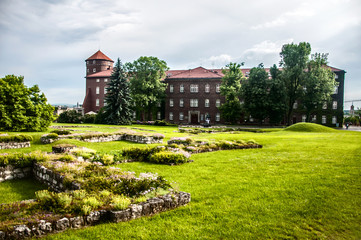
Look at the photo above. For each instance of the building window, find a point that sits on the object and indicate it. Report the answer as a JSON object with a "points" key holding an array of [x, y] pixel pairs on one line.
{"points": [[194, 88], [93, 61], [314, 118], [334, 105], [97, 90], [98, 80], [336, 76], [334, 119], [87, 70], [97, 102], [171, 116], [324, 106], [94, 70], [218, 88], [323, 119], [202, 117], [218, 103], [304, 118], [218, 117], [336, 90], [171, 103], [181, 88], [105, 103], [206, 89], [106, 80], [171, 88], [181, 116], [206, 103], [194, 102], [181, 102], [105, 90], [158, 115], [295, 105]]}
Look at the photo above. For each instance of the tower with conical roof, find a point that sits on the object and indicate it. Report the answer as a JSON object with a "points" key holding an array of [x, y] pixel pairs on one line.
{"points": [[99, 68]]}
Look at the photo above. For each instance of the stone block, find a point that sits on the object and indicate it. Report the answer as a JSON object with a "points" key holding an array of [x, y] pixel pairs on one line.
{"points": [[120, 216], [21, 232], [76, 222], [136, 211], [93, 217], [156, 205], [62, 224]]}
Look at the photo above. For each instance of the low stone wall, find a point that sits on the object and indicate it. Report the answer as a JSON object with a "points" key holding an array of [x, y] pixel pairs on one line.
{"points": [[53, 180], [148, 208], [116, 137], [9, 173], [13, 145]]}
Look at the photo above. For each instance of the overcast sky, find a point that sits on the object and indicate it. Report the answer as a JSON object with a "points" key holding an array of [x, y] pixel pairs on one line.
{"points": [[47, 41]]}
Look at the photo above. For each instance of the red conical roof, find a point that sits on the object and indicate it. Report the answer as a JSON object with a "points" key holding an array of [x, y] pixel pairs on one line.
{"points": [[99, 55]]}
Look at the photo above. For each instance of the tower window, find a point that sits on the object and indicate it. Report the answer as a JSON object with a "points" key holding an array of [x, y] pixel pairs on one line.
{"points": [[93, 61], [181, 88], [181, 102], [181, 116], [206, 89], [171, 103], [206, 103], [97, 90], [171, 116], [171, 88], [194, 88], [97, 102]]}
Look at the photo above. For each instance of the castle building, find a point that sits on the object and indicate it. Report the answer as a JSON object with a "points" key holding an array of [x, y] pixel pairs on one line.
{"points": [[99, 68], [193, 96]]}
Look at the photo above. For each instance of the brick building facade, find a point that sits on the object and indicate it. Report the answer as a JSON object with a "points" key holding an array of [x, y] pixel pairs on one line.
{"points": [[193, 96]]}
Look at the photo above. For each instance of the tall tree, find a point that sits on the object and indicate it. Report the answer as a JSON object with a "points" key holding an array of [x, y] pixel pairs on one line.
{"points": [[255, 92], [277, 97], [319, 83], [294, 59], [147, 87], [23, 108], [231, 110], [118, 109]]}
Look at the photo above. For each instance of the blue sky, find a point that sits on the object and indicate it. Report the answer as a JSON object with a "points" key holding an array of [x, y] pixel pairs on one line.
{"points": [[47, 41]]}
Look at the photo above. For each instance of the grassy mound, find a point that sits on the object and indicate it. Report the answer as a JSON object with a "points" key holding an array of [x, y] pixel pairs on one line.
{"points": [[309, 127]]}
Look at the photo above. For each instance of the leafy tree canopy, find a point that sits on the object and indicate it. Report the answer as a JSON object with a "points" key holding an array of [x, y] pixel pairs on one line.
{"points": [[23, 108], [147, 89], [70, 116]]}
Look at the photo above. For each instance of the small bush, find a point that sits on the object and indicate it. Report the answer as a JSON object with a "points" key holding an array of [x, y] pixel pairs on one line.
{"points": [[120, 202], [168, 157], [61, 131], [67, 158], [180, 140], [140, 154], [51, 136], [92, 202]]}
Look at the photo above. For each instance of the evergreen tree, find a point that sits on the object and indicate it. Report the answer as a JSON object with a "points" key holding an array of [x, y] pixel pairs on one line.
{"points": [[277, 97], [119, 103]]}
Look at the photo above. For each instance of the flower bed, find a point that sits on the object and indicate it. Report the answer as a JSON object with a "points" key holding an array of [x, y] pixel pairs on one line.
{"points": [[100, 194]]}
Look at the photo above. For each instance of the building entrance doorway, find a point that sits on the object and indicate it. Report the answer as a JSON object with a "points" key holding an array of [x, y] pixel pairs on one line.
{"points": [[193, 117]]}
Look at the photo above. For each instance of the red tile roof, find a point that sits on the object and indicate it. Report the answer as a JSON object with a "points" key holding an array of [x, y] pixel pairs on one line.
{"points": [[99, 55], [198, 72], [106, 73]]}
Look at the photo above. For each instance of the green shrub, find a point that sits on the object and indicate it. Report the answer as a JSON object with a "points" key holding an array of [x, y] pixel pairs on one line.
{"points": [[85, 210], [16, 138], [180, 140], [22, 160], [61, 131], [79, 194], [67, 158], [168, 157], [51, 136], [120, 202], [160, 123], [92, 202], [140, 154]]}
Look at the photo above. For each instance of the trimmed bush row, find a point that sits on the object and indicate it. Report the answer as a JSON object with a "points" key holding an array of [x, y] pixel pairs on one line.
{"points": [[20, 160], [16, 138]]}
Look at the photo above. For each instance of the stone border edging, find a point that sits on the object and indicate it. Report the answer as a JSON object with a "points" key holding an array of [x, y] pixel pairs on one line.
{"points": [[10, 172], [13, 145]]}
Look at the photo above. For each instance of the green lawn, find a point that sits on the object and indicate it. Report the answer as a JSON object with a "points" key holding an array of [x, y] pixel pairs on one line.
{"points": [[300, 185]]}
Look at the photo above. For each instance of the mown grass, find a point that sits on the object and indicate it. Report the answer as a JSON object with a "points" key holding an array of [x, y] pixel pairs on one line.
{"points": [[19, 189], [299, 185]]}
